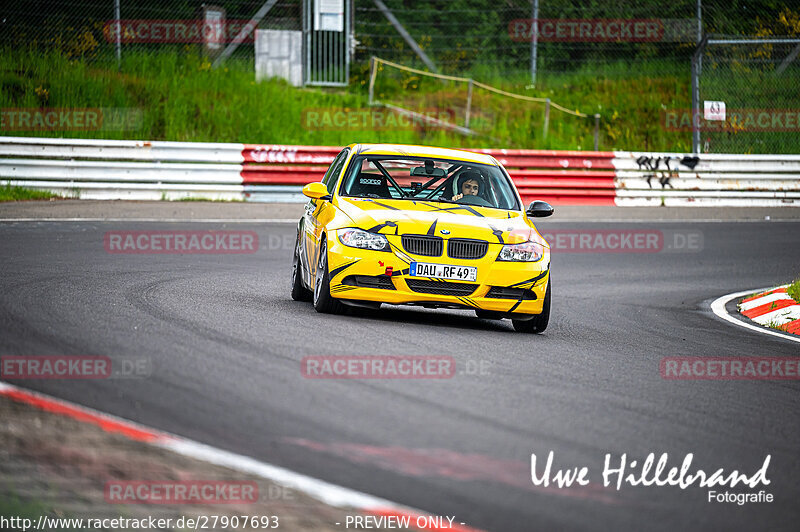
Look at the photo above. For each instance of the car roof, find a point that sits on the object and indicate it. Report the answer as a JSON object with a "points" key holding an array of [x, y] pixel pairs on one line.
{"points": [[424, 151]]}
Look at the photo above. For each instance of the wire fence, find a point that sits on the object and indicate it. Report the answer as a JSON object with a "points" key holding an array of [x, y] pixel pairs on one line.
{"points": [[467, 106], [630, 61], [95, 29], [490, 39], [472, 38], [754, 87]]}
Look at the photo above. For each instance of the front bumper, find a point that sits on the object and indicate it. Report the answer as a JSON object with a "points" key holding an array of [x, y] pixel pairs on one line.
{"points": [[507, 287]]}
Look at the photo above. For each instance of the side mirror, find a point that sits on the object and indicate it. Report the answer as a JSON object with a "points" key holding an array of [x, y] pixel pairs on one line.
{"points": [[539, 209], [316, 191]]}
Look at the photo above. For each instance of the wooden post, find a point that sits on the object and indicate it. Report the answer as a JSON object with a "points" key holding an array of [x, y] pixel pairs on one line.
{"points": [[469, 103], [373, 67], [546, 118], [596, 131]]}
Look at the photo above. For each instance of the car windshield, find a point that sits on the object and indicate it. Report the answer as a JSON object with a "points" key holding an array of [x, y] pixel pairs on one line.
{"points": [[412, 178]]}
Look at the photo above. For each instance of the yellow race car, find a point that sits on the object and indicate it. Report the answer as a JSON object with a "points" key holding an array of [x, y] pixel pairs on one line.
{"points": [[414, 225]]}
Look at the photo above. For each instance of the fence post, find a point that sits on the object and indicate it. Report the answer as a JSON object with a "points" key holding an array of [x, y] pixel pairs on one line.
{"points": [[119, 34], [596, 131], [699, 32], [698, 53], [534, 40], [469, 103], [546, 118], [373, 68]]}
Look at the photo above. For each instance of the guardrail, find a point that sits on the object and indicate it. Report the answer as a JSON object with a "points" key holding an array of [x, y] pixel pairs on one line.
{"points": [[646, 179], [110, 169], [560, 177]]}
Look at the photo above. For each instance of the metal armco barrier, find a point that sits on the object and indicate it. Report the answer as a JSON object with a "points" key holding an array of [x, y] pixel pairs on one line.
{"points": [[673, 179], [560, 177], [109, 169]]}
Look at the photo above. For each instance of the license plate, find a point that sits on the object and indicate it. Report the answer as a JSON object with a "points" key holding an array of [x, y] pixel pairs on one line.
{"points": [[443, 271]]}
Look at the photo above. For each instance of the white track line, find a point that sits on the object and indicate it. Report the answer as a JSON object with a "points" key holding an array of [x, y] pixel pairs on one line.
{"points": [[318, 489], [325, 492], [718, 307]]}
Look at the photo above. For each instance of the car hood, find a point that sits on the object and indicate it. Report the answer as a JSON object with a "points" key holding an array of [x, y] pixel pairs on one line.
{"points": [[446, 220]]}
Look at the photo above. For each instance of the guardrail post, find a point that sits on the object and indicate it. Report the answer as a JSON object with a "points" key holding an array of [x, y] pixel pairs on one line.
{"points": [[469, 103], [596, 131], [546, 118]]}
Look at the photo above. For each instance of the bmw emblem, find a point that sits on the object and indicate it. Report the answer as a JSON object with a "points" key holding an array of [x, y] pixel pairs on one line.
{"points": [[444, 231]]}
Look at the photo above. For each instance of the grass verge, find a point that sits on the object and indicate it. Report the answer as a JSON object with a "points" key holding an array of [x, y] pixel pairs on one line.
{"points": [[13, 193], [176, 95], [783, 327], [26, 512], [794, 290], [208, 200]]}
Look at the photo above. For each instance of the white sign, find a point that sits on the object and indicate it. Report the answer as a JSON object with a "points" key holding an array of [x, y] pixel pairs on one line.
{"points": [[329, 15], [714, 110], [214, 28]]}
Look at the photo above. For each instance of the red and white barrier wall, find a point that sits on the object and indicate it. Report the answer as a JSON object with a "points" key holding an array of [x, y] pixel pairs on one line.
{"points": [[107, 169]]}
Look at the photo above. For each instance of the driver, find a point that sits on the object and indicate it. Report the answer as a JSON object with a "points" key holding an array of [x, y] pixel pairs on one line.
{"points": [[468, 184]]}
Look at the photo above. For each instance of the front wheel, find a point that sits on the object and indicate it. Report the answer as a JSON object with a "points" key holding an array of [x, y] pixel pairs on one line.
{"points": [[299, 291], [539, 322], [323, 302]]}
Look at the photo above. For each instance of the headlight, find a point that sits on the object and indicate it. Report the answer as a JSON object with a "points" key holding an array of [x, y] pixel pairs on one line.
{"points": [[358, 238], [525, 252]]}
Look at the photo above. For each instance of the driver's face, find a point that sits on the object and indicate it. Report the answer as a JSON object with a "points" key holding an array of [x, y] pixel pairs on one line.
{"points": [[469, 187]]}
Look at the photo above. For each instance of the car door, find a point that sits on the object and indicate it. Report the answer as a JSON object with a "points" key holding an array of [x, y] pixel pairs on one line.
{"points": [[317, 213]]}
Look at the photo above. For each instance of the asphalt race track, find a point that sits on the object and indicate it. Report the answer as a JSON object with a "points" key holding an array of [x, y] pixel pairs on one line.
{"points": [[225, 342]]}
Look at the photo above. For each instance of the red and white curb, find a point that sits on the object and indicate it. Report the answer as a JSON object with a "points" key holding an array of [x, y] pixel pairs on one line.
{"points": [[769, 306], [320, 490], [773, 307]]}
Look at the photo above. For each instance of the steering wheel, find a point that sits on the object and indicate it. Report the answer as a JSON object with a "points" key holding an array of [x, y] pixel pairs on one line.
{"points": [[474, 200]]}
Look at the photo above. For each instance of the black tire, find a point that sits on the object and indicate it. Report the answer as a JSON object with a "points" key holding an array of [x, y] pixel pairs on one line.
{"points": [[323, 301], [539, 322], [299, 291]]}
